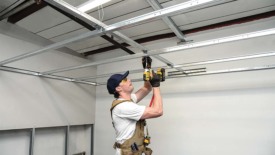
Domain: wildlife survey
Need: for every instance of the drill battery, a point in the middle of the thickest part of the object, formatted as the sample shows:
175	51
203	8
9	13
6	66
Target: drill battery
148	74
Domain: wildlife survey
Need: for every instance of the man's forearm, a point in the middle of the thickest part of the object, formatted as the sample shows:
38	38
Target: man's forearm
147	86
143	91
157	103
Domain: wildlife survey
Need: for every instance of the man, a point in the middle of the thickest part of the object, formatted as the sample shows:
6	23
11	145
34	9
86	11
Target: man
128	117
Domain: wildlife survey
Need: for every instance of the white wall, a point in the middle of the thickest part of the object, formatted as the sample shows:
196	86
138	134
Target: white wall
10	139
206	115
34	102
29	101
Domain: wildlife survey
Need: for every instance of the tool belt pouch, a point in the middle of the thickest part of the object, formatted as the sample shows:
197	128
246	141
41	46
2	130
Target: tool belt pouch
129	152
142	149
147	151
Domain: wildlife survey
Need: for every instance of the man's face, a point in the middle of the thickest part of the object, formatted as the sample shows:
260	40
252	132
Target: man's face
126	85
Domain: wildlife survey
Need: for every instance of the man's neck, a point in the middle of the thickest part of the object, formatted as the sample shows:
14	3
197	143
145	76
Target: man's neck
125	96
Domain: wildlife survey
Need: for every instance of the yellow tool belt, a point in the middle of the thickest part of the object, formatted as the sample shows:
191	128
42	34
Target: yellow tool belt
137	138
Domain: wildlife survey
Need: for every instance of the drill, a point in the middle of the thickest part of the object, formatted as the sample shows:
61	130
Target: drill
148	72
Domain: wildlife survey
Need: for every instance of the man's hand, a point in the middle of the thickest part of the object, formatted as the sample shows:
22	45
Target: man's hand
155	81
146	62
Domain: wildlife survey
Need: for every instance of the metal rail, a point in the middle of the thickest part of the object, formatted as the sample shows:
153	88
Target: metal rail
33	73
234	70
243	57
172	10
180	8
67	140
130	22
115	33
168	20
171	49
82	80
13	10
51	47
32	138
245	69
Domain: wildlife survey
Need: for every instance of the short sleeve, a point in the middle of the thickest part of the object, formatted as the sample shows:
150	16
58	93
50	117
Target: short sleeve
130	110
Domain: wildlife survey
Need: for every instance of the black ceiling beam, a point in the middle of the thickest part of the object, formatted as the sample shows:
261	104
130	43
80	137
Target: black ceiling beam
88	26
26	12
204	28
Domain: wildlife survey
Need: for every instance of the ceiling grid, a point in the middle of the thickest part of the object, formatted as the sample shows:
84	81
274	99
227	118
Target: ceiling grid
96	28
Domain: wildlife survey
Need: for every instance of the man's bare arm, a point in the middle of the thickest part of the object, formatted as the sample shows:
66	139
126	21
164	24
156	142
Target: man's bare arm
157	108
143	91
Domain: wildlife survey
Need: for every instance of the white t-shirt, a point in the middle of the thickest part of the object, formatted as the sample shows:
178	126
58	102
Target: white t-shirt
125	115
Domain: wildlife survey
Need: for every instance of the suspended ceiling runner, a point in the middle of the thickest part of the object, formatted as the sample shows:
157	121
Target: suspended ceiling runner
37	17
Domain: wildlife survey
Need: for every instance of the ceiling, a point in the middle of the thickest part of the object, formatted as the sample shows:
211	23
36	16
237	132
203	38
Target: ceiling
38	19
52	22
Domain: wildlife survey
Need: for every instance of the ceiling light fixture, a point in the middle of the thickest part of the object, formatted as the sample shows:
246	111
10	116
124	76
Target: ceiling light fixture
91	4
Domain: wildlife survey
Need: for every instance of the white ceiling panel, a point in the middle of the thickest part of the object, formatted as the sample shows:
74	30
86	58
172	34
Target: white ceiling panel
152	33
75	2
69	35
210	21
61	29
93	44
146	28
88	43
123	10
42	19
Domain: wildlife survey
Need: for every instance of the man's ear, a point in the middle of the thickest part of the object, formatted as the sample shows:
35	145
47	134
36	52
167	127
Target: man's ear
118	89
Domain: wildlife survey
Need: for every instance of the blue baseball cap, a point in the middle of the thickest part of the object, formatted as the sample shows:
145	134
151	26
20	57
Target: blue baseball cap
114	81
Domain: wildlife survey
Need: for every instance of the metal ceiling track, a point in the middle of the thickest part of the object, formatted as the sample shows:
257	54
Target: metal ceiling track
161	51
9	7
234	70
168	20
180	8
189	31
230	59
33	73
25	10
91	28
21	5
181	48
117	34
167	11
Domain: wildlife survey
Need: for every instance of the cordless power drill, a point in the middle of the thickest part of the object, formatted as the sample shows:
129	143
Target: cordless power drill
148	72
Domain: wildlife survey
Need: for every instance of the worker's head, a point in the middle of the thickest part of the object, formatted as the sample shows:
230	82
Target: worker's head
116	82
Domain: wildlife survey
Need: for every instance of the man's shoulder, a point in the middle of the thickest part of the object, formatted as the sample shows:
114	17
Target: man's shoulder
126	104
